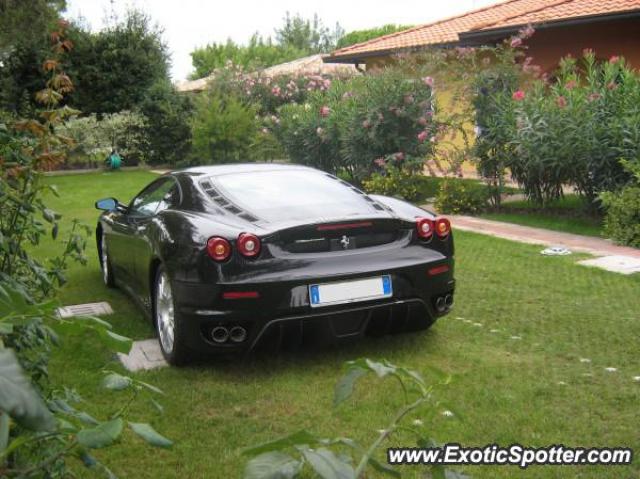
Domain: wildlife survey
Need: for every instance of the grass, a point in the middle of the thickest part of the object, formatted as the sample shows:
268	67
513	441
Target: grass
533	390
567	215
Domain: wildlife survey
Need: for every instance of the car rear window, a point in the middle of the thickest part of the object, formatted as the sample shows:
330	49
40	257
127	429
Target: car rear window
285	195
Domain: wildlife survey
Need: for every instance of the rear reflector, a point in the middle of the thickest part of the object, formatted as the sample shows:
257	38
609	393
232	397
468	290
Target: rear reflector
241	295
438	270
344	226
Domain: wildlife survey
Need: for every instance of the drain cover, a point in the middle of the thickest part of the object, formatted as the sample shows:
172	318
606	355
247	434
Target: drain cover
88	309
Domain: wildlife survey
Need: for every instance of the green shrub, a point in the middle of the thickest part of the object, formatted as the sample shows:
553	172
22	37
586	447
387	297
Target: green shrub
393	182
458	197
622	222
222	129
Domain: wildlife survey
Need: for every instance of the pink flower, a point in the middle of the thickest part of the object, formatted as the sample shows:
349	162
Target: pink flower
516	42
587	52
594	96
347	94
366	124
422	136
612	86
614	59
422	121
526	32
408	99
571	84
428	81
324	111
433	139
518	95
379	162
276	90
561	101
399	156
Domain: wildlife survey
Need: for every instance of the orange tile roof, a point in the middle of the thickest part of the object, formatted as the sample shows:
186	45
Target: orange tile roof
504	14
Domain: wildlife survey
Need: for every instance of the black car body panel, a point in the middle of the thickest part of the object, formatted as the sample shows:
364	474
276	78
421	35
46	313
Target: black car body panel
381	239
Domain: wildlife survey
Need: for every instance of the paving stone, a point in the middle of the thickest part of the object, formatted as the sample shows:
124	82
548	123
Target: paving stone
616	263
144	355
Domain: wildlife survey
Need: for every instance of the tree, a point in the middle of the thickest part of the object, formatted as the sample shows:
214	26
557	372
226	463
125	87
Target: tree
359	36
168	130
115	67
307	35
259	53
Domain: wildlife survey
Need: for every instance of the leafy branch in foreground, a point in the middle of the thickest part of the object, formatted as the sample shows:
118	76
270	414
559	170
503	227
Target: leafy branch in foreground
296	454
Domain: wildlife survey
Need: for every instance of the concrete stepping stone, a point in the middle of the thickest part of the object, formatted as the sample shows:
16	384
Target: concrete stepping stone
616	263
144	355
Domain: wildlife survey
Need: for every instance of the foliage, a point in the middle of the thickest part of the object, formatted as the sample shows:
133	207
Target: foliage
321	458
622	222
115	68
258	53
362	124
39	428
571	131
393	182
308	35
167	129
457	197
359	36
222	129
95	138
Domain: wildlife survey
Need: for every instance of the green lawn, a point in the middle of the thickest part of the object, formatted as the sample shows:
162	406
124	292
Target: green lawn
533	390
567	214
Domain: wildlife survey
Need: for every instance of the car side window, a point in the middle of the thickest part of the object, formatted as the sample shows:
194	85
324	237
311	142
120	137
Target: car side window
157	197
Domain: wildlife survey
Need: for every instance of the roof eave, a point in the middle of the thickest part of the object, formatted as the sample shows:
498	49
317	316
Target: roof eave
477	37
356	58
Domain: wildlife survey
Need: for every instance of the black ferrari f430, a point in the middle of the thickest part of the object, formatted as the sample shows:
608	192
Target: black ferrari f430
233	258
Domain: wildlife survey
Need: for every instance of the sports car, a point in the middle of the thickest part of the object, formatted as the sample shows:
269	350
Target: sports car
234	258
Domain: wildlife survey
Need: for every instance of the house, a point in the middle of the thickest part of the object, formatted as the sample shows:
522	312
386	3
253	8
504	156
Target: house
311	65
609	27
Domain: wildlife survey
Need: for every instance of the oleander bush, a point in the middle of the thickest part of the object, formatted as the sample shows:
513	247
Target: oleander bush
362	125
622	221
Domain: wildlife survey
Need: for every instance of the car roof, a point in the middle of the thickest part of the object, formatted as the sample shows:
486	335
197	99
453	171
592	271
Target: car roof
216	170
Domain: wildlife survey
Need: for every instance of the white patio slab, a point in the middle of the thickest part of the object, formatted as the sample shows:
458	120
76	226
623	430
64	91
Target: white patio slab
87	309
144	355
616	263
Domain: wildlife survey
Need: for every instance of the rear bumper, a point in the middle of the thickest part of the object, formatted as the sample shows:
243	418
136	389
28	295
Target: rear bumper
281	315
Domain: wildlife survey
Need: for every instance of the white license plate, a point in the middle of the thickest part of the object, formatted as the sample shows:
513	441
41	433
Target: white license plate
350	291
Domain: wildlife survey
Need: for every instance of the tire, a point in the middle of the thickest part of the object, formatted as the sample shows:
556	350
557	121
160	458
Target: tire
169	327
105	264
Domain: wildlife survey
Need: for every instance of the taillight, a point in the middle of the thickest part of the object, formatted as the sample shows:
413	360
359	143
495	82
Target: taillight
248	245
219	249
425	227
443	227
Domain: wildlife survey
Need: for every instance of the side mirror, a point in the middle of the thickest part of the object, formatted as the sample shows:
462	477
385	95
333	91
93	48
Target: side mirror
107	204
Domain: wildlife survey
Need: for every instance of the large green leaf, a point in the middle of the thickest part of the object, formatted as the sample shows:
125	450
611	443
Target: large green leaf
272	465
345	385
149	434
18	398
116	382
295	439
102	435
327	465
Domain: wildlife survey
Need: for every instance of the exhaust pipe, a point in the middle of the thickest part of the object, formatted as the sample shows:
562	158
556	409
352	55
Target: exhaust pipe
440	304
238	334
448	300
219	334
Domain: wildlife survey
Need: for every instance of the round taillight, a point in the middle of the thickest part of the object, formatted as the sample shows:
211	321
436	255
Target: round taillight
443	227
248	245
219	249
425	227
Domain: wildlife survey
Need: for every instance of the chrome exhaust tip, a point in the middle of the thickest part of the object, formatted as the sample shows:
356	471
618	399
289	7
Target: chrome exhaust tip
219	334
440	304
448	300
238	334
